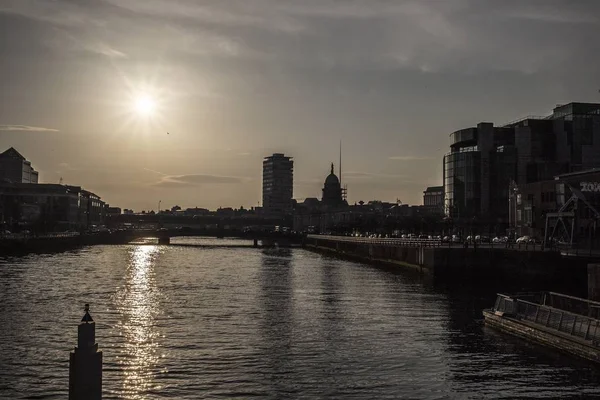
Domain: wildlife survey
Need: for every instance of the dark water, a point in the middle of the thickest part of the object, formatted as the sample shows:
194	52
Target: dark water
190	323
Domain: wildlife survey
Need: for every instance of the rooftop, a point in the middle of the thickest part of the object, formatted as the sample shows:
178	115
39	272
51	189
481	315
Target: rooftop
578	173
434	189
13	153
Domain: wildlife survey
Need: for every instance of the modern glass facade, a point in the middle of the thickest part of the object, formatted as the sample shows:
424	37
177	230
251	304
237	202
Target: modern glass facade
503	169
462	183
485	160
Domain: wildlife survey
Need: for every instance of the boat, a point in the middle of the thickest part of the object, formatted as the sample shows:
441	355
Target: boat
567	323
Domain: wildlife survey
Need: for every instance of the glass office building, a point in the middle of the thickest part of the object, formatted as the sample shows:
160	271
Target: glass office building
485	160
477	171
462	182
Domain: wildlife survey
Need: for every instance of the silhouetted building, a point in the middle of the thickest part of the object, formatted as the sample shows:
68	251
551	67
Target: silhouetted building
477	171
49	207
484	160
311	203
433	199
278	185
111	211
196	211
574	196
332	191
15	168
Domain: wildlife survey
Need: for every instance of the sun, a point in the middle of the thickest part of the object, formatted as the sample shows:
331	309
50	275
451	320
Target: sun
144	105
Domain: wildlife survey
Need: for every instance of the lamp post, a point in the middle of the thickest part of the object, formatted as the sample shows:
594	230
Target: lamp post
158	214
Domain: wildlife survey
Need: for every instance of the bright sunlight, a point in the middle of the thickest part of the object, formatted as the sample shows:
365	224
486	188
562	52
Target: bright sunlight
145	105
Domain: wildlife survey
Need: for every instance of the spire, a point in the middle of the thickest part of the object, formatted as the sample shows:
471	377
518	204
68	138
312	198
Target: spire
332	171
340	164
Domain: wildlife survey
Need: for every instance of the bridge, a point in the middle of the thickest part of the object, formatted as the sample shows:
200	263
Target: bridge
164	235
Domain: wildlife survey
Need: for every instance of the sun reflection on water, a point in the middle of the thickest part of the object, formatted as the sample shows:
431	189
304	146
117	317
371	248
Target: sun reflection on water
138	304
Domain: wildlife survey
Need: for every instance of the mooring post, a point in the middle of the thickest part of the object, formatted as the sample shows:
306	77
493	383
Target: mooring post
85	363
593	282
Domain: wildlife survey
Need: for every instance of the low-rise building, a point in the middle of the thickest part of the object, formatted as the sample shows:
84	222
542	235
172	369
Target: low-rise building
565	208
111	211
49	207
433	199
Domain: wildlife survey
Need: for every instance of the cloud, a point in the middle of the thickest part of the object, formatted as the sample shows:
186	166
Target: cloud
105	50
156	172
410	158
359	174
196	180
309	182
66	167
25	128
427	36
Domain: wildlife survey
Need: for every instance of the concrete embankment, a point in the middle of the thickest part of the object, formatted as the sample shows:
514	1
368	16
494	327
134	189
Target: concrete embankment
547	269
52	243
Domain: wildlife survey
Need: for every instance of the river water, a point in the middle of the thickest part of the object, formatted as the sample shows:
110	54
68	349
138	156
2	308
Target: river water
192	323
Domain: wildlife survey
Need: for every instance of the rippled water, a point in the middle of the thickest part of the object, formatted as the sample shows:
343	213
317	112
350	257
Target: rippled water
191	323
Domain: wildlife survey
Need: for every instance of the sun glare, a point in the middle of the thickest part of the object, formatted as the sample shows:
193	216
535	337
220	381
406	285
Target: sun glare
144	105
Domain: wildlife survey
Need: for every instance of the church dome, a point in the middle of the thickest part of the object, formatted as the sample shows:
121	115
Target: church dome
332	180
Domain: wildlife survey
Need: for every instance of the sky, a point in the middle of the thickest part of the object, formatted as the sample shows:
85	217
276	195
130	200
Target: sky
89	89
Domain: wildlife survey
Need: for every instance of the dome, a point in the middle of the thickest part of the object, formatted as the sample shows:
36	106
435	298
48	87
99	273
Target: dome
332	180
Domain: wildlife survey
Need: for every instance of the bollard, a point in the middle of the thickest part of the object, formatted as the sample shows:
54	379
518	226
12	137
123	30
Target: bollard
593	282
85	363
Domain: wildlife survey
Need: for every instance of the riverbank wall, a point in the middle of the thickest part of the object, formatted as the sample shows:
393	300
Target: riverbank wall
19	245
545	269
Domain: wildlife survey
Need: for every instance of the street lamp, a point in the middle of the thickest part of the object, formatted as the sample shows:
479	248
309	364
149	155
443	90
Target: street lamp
158	212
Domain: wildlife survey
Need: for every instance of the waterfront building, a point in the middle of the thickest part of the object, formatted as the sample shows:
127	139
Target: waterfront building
484	160
112	211
15	168
433	199
566	207
49	207
278	185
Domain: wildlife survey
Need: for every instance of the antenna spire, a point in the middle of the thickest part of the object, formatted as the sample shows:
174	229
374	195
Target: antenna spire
340	164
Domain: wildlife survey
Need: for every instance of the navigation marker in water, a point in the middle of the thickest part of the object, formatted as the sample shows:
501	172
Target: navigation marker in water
85	363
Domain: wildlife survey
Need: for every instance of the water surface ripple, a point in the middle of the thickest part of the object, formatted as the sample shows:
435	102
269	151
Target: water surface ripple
208	323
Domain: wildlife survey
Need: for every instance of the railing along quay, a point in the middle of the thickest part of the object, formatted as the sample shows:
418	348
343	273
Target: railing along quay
21	236
564	321
382	241
437	243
